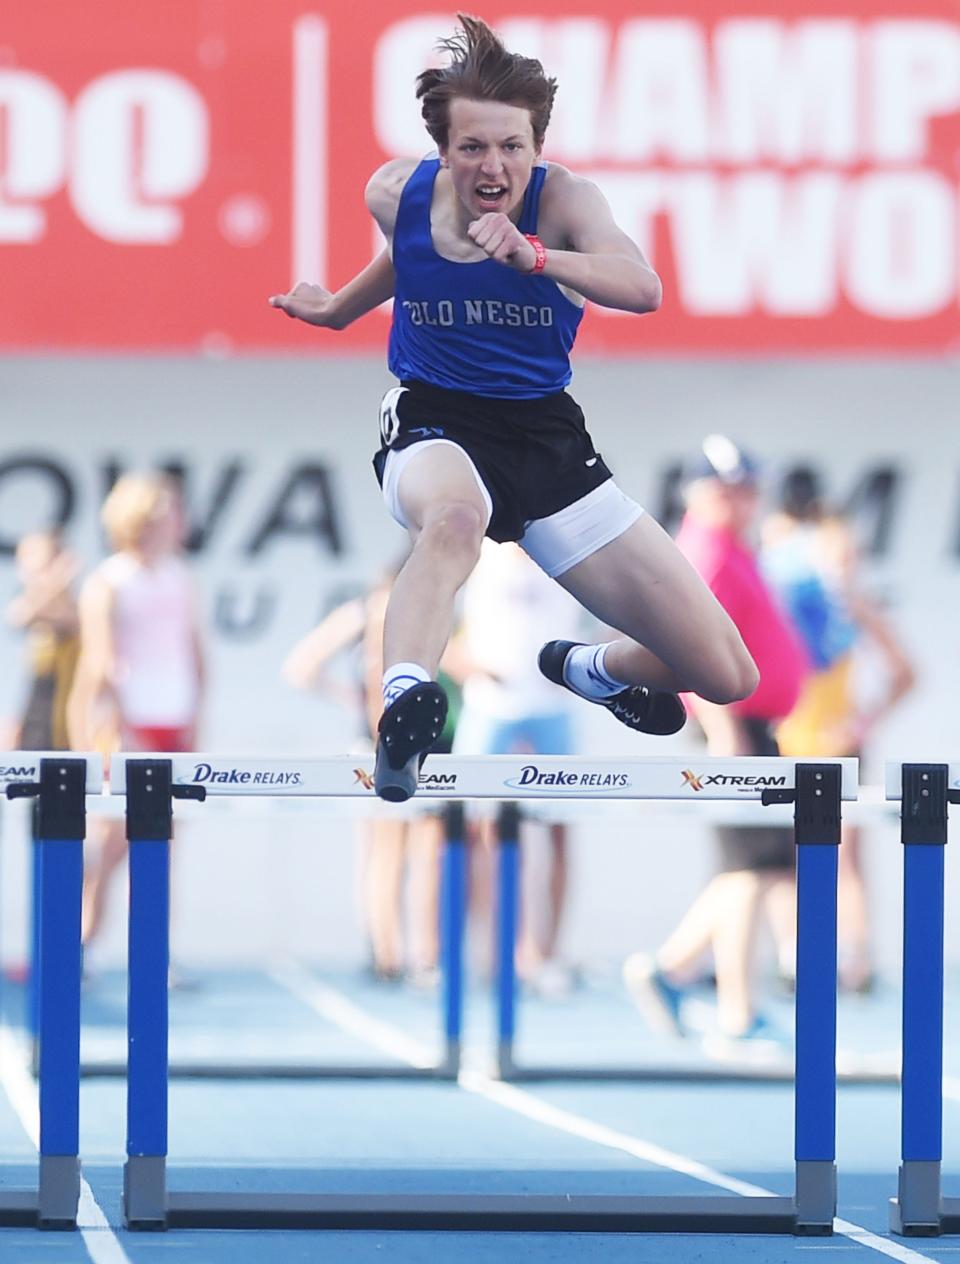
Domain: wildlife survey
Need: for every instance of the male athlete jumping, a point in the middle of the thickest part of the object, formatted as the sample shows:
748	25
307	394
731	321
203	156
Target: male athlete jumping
491	255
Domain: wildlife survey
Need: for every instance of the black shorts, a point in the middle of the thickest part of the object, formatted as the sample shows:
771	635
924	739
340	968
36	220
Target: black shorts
761	847
534	456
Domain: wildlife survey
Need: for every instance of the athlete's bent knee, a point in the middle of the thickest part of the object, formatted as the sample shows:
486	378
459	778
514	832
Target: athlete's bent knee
454	529
734	679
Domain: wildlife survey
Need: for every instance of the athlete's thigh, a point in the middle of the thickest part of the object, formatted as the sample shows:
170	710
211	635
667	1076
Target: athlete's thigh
642	585
434	475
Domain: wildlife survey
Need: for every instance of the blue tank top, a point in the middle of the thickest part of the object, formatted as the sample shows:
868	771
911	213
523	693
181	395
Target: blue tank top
478	327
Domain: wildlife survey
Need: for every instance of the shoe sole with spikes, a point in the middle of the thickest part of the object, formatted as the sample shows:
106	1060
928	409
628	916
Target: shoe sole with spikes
407	730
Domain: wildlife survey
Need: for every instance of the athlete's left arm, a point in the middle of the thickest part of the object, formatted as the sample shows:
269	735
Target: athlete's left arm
603	263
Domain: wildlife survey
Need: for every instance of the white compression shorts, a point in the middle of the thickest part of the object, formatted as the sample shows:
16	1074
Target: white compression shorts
555	543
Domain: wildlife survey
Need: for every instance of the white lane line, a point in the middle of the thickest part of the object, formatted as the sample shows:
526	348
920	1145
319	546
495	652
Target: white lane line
331	1004
102	1244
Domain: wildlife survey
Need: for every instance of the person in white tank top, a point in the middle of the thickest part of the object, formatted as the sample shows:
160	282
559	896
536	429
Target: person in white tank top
139	679
506	603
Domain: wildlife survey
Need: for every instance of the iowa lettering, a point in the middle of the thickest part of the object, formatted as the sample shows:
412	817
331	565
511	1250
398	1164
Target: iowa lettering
206	773
477	311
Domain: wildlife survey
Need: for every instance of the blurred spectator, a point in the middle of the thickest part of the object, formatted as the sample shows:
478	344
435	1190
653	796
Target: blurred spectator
46	610
391	843
755	862
508	709
139	680
810	556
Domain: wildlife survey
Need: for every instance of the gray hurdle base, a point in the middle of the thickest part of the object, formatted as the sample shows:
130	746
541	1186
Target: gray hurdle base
60	785
924	791
816	789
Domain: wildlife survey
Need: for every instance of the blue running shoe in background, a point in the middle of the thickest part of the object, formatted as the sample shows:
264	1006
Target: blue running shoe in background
658	999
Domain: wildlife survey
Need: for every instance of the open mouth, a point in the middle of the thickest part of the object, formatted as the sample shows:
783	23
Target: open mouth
491	195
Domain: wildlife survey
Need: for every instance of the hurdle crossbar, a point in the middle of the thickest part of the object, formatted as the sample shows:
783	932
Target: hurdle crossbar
59	784
925	792
818	789
503	777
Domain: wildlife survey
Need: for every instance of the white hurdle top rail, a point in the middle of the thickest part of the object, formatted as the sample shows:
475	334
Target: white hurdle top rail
17	767
504	777
893	774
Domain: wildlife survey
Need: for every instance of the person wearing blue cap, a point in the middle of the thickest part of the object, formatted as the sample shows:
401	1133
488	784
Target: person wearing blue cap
756	863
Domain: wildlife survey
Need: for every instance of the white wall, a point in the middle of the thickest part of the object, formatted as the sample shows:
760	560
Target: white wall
252	886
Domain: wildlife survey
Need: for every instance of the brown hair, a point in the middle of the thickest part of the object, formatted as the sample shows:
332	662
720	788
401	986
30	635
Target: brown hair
481	69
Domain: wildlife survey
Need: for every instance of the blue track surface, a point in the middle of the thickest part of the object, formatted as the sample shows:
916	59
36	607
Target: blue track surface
384	1137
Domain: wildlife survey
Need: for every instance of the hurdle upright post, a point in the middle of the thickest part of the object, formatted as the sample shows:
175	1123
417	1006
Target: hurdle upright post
508	914
817	836
33	977
149	815
453	906
919	1210
60	826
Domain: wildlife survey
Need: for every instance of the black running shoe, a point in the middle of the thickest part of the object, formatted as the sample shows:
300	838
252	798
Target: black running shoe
646	710
407	730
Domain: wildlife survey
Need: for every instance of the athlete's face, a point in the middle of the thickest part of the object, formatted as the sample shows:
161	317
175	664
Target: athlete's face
490	153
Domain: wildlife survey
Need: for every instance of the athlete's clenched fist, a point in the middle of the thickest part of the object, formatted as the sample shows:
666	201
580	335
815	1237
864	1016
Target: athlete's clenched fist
499	236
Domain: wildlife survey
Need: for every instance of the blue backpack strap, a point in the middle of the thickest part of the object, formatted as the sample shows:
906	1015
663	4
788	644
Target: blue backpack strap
531	200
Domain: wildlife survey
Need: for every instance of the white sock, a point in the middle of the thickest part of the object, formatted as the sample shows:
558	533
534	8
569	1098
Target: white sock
585	672
401	677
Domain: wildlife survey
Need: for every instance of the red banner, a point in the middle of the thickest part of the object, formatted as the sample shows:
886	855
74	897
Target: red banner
793	178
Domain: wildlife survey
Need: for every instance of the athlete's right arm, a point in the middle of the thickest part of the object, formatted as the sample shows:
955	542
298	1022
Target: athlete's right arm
369	288
317	306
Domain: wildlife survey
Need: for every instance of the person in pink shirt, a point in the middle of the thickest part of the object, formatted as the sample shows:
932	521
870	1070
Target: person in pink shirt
756	863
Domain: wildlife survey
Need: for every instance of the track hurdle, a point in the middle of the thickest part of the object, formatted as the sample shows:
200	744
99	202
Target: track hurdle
59	784
924	791
817	789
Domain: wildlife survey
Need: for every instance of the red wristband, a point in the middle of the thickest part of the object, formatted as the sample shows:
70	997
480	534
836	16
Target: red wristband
541	252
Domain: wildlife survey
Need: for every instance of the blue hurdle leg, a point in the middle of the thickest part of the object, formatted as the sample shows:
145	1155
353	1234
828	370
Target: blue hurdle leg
918	1202
60	874
817	822
145	1201
452	919
816	1034
33	978
508	904
918	1208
